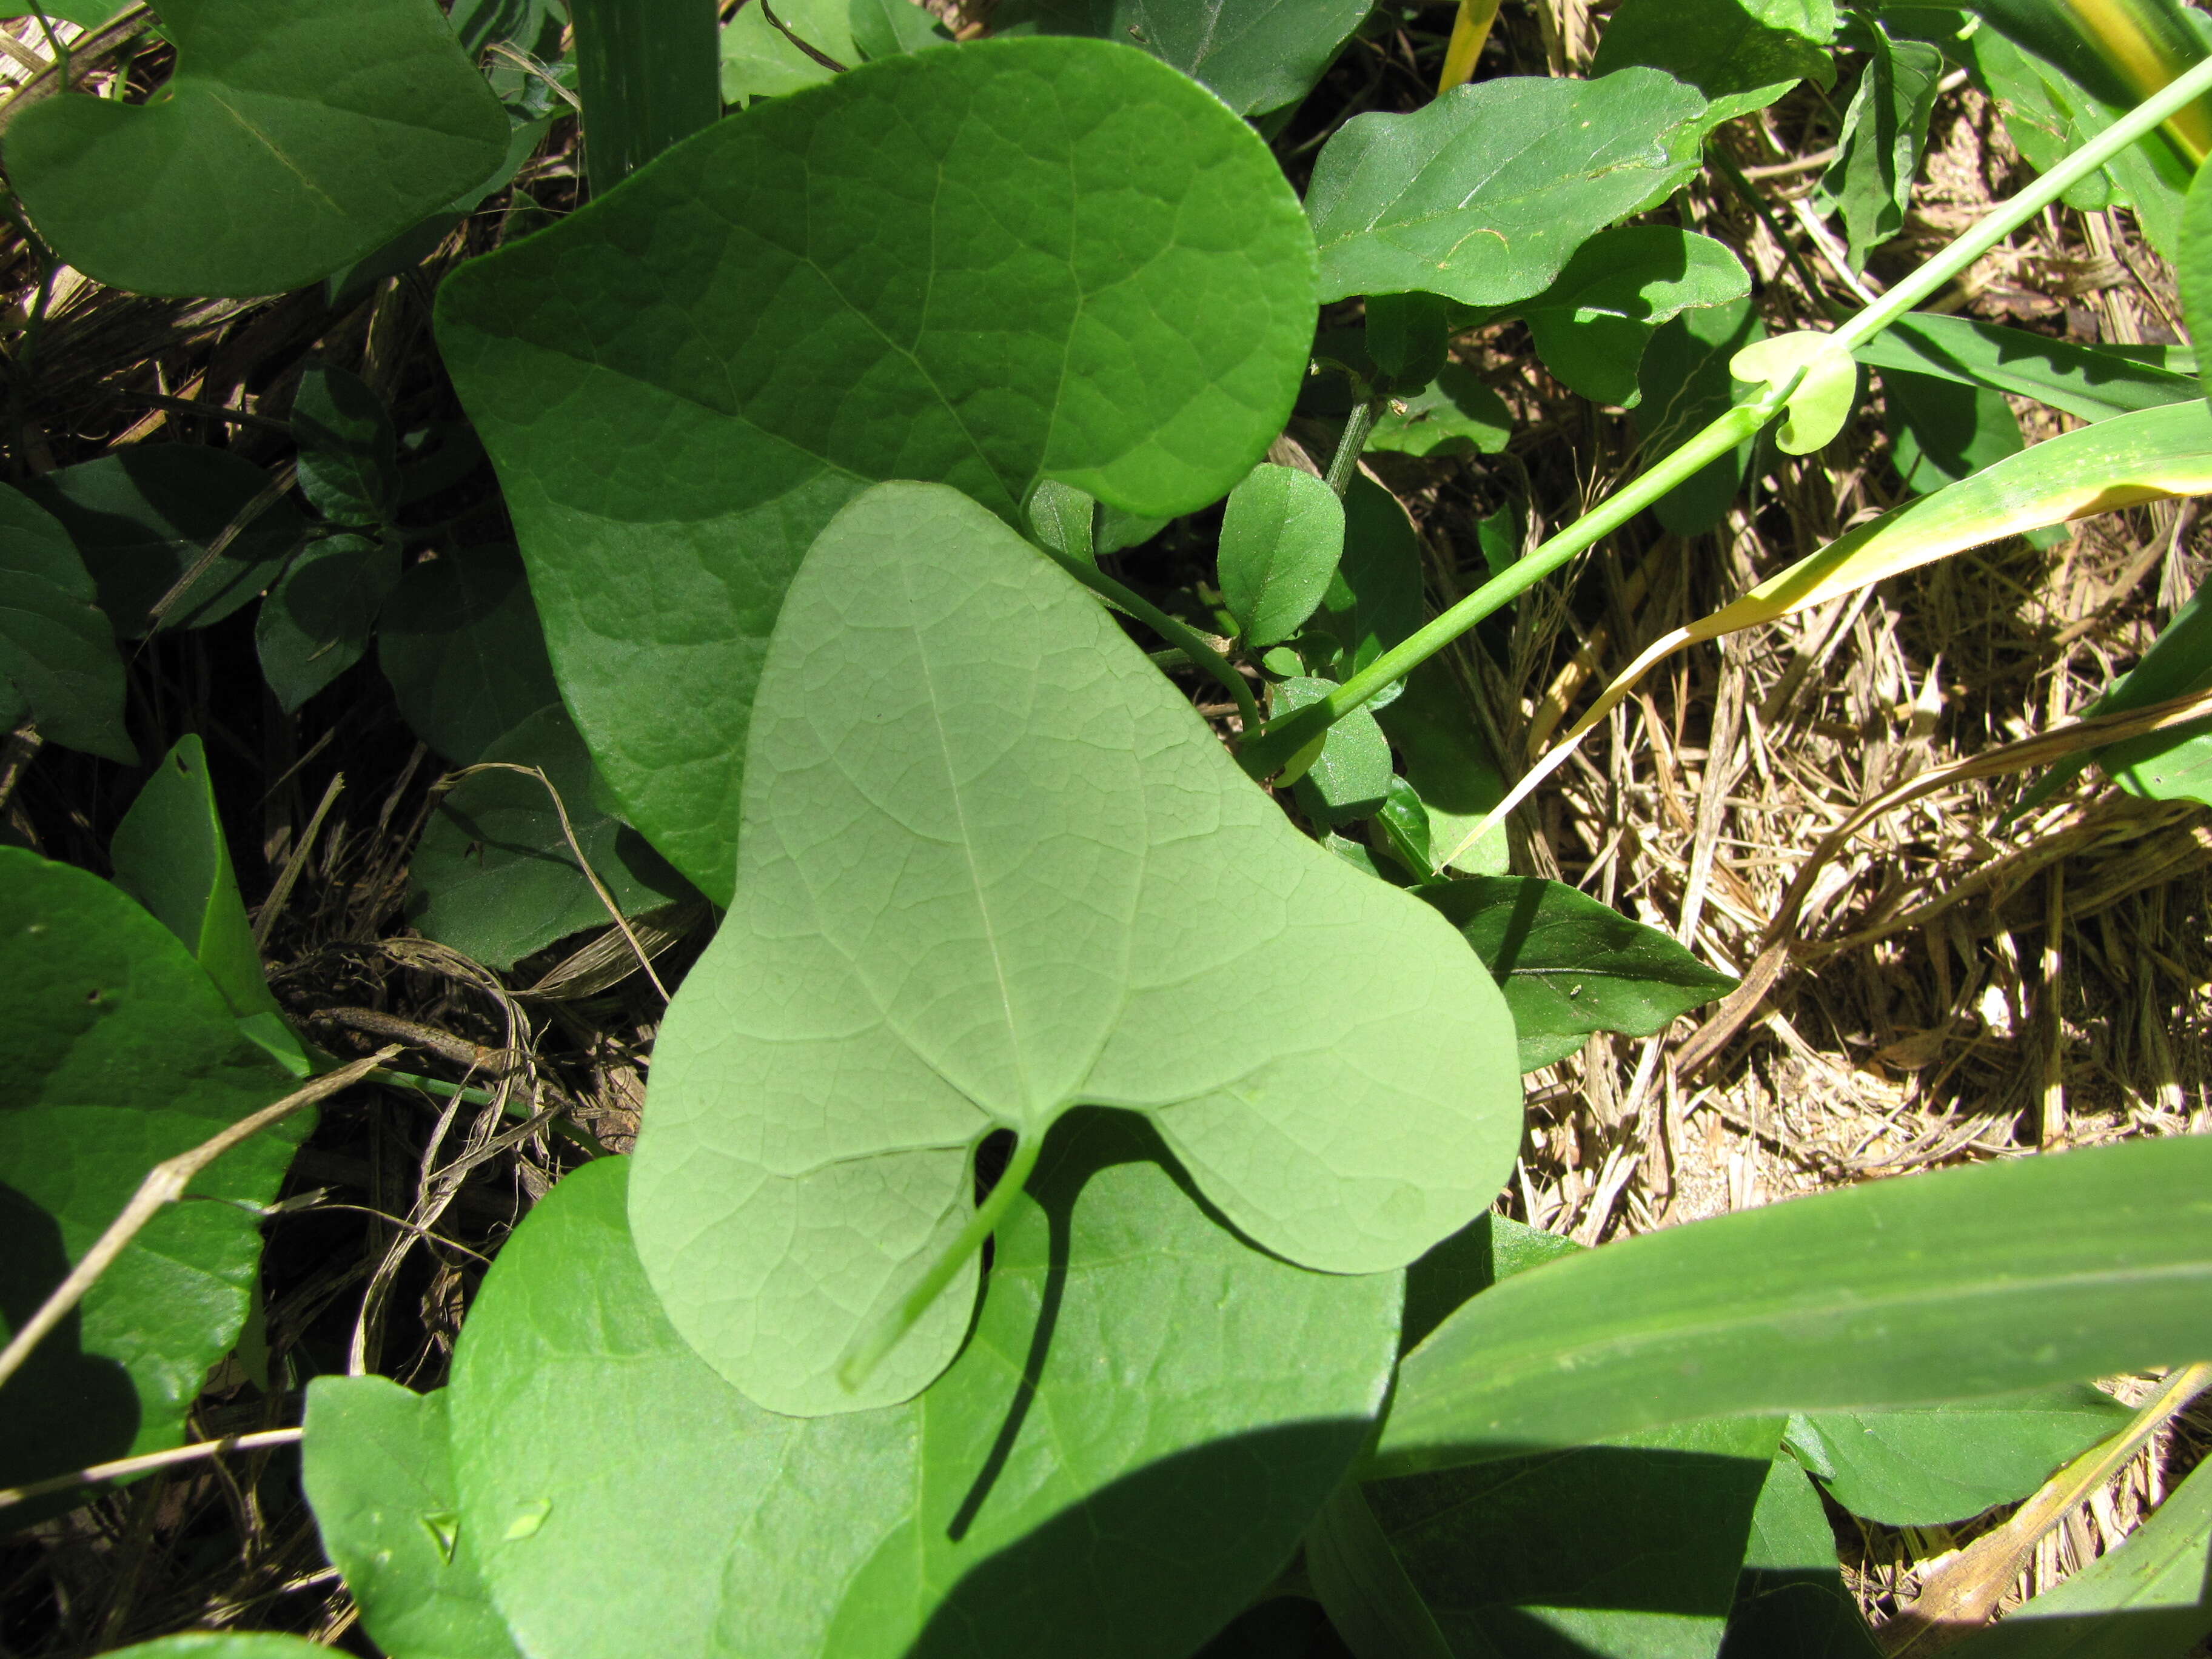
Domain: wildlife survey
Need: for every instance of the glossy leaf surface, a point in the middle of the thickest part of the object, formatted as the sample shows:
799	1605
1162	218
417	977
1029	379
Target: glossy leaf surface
59	665
120	1053
1740	54
315	623
1256	55
460	642
295	137
494	876
1485	194
1120	1415
1570	965
994	865
377	1465
1119	296
1911	1291
1282	534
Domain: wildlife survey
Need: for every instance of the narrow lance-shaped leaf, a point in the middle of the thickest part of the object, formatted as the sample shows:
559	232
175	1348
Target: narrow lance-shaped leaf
1885	130
1023	259
2095	383
296	137
1121	1418
1910	1291
994	865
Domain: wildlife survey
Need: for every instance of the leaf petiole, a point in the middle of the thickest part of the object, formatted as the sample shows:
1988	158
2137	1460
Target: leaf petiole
868	1350
1176	633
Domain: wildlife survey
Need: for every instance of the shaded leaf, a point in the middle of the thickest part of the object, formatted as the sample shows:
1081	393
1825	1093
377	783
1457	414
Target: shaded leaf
316	622
295	137
1118	296
459	641
120	1053
2175	764
1257	55
377	1466
1686	385
1282	534
1591	326
1740	54
1910	1291
1791	1601
1406	337
1484	195
760	61
1374	596
881	28
144	516
1570	965
994	865
493	875
1062	517
1359	1577
348	453
1450	766
1944	431
59	665
2095	383
533	27
1457	415
1120	1415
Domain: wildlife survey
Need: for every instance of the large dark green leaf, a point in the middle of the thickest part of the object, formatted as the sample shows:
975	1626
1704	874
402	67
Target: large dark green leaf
1570	966
1017	260
1923	1466
144	516
1258	55
494	876
1484	195
1911	1291
460	642
1122	1456
378	1467
295	137
1791	1601
992	867
120	1053
58	660
1741	54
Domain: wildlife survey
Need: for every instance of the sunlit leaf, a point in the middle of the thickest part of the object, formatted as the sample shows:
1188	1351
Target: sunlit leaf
994	865
2095	383
759	60
1350	775
59	665
1282	533
1826	377
1884	132
1591	326
1740	54
1455	415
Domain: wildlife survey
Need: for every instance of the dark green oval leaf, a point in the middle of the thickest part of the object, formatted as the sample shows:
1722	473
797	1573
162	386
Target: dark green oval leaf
58	663
1257	55
459	641
1741	54
316	622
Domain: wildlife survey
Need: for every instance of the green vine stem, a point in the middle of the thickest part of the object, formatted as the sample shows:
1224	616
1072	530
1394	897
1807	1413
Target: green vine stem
1277	743
1182	634
869	1348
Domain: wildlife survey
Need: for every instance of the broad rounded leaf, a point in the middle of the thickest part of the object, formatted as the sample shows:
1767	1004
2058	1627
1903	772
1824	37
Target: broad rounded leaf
57	658
1822	401
1282	534
120	1053
1120	1459
992	867
1485	194
296	137
1591	326
1021	259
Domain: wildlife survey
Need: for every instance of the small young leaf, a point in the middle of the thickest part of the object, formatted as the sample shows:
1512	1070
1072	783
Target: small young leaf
378	1466
59	665
1741	54
1591	326
1910	1291
348	453
1048	884
1349	778
1570	966
759	60
1456	415
1282	534
1062	517
1256	55
1122	1417
1685	383
1791	1601
461	645
494	876
1822	401
120	1053
315	624
144	516
1885	130
1925	1466
1434	203
295	137
1073	263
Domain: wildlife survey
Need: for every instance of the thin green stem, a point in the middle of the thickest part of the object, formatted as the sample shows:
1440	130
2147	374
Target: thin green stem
1357	427
1193	643
869	1348
1274	746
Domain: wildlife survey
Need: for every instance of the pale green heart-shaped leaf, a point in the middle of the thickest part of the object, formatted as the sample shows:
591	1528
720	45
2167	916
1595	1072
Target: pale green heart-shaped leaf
58	663
1741	54
377	1466
1570	965
316	622
1910	1291
1591	326
1257	55
1791	1601
1938	1463
295	137
144	517
1826	377
1120	1458
1282	534
460	642
1070	263
494	876
759	60
120	1053
992	867
1485	194
170	855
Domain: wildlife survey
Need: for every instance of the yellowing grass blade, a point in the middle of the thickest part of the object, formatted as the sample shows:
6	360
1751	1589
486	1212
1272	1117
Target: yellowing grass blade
1470	29
2151	455
2134	47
